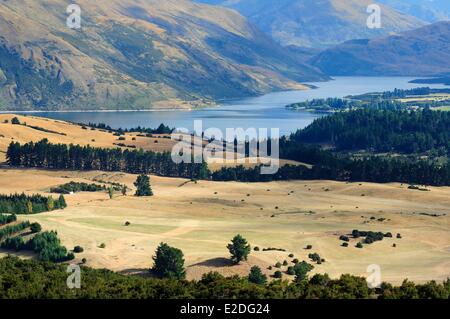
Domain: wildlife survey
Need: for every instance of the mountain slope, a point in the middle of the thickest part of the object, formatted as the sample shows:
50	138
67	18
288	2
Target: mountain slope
421	52
136	54
318	23
431	11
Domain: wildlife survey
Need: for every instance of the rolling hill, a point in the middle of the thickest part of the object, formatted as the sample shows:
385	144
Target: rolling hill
421	52
318	23
135	54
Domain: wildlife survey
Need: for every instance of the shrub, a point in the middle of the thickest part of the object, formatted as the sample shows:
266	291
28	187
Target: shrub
359	245
256	276
399	236
84	260
102	245
256	248
309	247
15	121
301	271
278	274
278	265
344	238
35	228
291	255
127	223
78	249
285	263
295	261
344	245
290	271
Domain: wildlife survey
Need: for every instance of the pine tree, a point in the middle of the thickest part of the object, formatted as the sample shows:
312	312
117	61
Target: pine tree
169	262
143	187
239	249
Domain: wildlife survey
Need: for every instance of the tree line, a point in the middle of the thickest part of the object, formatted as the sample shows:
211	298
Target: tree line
46	244
34	204
381	131
75	157
371	169
37	280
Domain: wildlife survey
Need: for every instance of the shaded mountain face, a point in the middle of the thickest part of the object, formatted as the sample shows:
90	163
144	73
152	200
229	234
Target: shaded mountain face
318	23
427	10
421	52
134	54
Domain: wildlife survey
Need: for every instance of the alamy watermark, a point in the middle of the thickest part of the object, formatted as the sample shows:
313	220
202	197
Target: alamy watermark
374	277
254	146
74	279
374	19
73	21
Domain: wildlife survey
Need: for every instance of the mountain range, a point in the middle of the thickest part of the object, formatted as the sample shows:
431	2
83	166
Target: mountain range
319	23
136	54
421	52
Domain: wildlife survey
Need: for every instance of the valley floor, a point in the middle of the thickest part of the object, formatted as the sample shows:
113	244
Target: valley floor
201	218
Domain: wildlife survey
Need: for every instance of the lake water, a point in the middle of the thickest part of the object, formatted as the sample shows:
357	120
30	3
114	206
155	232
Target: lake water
267	111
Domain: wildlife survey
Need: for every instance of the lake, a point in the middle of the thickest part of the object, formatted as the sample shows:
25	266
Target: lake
267	111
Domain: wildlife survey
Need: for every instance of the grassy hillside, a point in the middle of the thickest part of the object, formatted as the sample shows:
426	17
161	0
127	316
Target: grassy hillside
136	55
421	52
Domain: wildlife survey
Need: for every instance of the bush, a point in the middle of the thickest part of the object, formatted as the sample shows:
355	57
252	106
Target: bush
256	276
169	262
344	245
295	261
301	271
359	245
256	248
344	238
278	265
285	263
15	121
78	249
278	274
35	228
309	247
399	236
291	255
102	245
84	260
290	271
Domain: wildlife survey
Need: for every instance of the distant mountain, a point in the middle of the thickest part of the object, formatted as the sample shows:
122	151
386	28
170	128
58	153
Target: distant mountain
421	52
136	54
318	23
427	10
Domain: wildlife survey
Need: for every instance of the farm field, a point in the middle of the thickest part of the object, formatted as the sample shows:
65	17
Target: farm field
201	218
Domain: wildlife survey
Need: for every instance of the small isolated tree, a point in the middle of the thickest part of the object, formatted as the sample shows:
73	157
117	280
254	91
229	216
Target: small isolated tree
239	249
62	202
124	190
143	187
256	276
110	192
169	262
15	121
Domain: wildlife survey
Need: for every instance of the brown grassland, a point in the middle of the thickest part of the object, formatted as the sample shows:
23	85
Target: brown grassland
200	218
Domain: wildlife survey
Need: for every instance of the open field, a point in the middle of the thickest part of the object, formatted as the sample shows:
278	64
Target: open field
200	218
77	134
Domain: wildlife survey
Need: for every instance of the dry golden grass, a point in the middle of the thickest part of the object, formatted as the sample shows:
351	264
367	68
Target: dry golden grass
200	218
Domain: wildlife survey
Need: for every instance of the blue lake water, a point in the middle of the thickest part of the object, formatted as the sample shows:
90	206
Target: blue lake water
267	111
